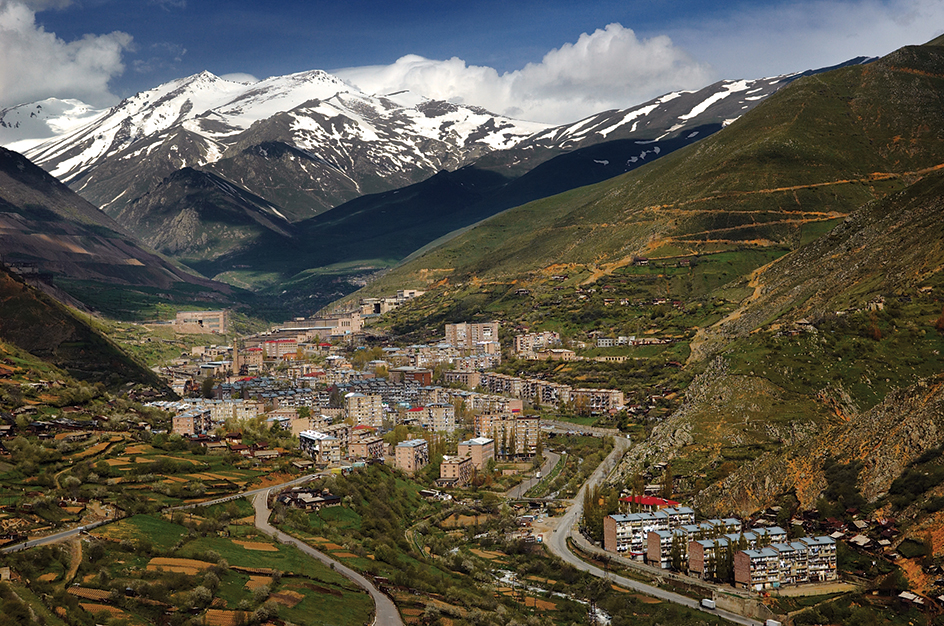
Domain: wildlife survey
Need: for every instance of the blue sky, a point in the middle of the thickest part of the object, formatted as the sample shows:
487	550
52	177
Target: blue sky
554	60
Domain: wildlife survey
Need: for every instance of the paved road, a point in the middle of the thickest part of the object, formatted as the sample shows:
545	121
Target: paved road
518	491
386	612
54	538
557	544
72	532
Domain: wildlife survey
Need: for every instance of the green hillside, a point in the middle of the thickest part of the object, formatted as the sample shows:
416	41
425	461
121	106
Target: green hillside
40	326
790	263
776	178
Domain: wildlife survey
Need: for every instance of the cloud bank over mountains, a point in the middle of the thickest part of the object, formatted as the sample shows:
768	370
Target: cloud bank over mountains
35	64
609	69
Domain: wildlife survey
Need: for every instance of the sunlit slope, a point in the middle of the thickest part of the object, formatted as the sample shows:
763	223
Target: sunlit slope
780	176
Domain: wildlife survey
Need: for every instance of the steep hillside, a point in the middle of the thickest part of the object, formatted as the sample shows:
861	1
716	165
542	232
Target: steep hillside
193	216
777	177
37	324
50	230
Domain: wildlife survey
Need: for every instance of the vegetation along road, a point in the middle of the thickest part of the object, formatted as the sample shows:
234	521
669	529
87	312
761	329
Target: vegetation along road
557	543
550	462
386	611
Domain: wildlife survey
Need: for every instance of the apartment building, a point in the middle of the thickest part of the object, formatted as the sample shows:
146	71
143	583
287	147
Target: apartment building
411	374
810	559
441	417
515	435
412	455
703	556
466	335
597	400
468	379
821	555
659	546
196	421
527	345
342	432
455	471
368	448
480	449
757	569
364	409
627	534
794	563
197	322
323	448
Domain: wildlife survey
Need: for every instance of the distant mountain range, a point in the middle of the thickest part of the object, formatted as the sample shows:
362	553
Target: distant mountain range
236	180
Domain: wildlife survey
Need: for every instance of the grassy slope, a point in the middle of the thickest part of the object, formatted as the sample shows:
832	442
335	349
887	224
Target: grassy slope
37	324
803	158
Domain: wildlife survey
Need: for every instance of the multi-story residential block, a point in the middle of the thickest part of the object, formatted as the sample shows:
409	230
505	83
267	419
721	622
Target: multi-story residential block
455	471
196	322
757	569
411	374
343	434
769	535
703	556
412	455
597	400
277	348
515	435
323	448
660	544
467	378
528	344
466	335
317	422
364	409
196	421
369	448
628	534
811	559
480	449
821	556
794	562
441	417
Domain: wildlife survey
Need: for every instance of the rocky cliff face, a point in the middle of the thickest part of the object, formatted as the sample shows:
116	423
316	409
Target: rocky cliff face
886	439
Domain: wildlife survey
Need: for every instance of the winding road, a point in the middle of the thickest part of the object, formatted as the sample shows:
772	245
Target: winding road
557	544
386	613
550	462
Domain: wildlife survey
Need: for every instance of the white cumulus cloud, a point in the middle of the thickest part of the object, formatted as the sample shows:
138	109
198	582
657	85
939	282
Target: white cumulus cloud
610	68
35	64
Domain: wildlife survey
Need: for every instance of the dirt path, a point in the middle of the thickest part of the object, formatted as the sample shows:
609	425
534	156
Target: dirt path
75	559
701	337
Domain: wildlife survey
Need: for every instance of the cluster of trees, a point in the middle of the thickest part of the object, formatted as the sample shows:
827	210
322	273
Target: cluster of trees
598	502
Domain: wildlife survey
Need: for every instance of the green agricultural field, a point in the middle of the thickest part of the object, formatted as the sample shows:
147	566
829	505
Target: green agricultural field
171	568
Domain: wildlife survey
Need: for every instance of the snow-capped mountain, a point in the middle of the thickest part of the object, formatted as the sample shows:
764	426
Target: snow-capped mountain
355	141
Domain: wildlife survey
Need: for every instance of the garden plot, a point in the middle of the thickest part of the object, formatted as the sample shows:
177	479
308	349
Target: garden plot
191	567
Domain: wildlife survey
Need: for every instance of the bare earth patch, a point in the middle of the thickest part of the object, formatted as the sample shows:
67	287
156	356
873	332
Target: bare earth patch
219	617
255	582
89	594
255	545
181	566
288	598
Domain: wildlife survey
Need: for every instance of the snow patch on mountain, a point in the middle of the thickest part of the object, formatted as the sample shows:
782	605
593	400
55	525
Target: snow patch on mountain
729	88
